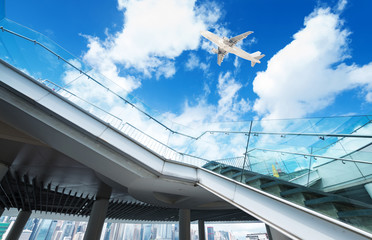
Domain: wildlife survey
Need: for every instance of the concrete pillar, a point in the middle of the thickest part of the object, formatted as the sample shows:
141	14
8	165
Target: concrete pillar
1	211
201	229
17	228
3	170
268	231
184	223
98	214
275	234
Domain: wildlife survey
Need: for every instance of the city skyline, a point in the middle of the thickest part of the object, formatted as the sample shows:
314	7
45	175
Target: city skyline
49	229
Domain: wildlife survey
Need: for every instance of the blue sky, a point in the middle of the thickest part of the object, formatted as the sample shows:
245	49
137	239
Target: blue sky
318	53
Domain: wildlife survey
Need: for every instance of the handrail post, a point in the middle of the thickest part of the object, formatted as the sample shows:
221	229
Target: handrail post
308	176
246	151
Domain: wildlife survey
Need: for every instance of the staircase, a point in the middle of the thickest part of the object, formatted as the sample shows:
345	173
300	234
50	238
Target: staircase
353	212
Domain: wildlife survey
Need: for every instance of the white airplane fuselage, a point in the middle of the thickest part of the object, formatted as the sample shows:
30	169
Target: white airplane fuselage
229	46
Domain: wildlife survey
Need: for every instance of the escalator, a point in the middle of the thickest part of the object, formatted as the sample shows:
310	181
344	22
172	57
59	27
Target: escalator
347	210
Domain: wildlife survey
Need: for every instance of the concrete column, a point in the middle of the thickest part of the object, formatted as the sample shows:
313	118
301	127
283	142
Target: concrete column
275	235
201	229
17	228
1	211
268	231
98	214
184	223
3	171
3	168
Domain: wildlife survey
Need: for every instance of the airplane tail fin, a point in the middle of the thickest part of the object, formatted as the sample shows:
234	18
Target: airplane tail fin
257	58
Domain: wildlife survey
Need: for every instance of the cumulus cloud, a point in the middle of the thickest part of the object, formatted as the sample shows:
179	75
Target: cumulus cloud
99	59
194	62
205	116
154	33
228	105
307	74
341	5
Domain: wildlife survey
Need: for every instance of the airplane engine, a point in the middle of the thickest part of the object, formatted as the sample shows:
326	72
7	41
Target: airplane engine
214	50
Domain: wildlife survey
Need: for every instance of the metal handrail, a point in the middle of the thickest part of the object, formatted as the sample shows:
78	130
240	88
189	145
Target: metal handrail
309	155
73	94
283	134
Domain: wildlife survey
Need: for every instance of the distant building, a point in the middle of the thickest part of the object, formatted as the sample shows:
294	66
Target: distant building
176	232
164	232
146	231
25	235
79	236
3	228
257	236
222	235
210	232
57	235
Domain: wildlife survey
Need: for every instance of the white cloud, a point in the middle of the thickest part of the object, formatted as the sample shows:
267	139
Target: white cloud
98	57
154	33
167	69
341	5
228	105
307	74
193	62
199	118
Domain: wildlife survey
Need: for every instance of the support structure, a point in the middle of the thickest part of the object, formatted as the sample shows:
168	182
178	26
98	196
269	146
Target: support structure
201	229
3	170
17	228
274	234
98	214
184	223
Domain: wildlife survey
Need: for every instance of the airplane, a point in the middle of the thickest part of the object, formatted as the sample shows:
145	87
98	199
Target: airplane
226	45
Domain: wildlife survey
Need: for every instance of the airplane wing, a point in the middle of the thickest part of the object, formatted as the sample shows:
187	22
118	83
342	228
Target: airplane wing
220	56
236	39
